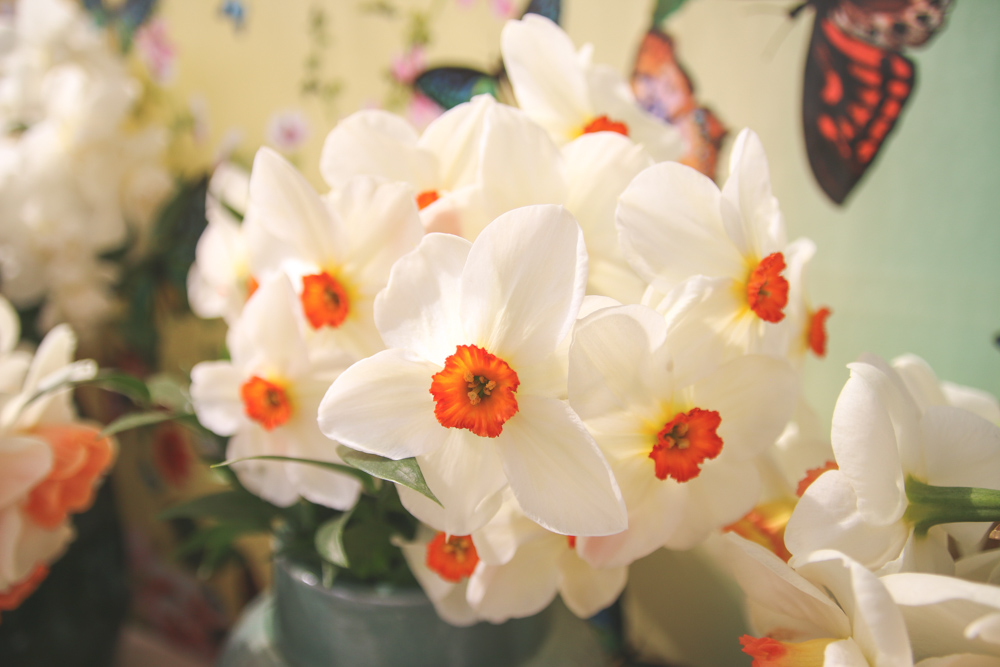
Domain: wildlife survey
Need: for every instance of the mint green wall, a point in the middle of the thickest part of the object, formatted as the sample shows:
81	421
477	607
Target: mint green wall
912	262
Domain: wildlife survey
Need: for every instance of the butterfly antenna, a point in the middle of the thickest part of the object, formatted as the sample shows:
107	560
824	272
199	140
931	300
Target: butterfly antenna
776	40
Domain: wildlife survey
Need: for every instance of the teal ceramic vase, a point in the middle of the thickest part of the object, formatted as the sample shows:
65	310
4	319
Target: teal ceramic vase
303	624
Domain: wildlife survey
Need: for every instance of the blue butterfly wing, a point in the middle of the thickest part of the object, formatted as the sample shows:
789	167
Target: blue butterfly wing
451	86
550	9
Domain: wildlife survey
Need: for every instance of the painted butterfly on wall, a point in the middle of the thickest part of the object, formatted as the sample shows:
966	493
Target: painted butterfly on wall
857	81
451	86
663	88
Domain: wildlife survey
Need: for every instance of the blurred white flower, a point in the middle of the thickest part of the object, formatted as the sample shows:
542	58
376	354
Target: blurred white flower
266	398
567	95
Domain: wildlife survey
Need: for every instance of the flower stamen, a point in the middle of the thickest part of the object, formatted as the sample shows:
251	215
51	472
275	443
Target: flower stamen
324	300
475	391
685	442
453	558
265	402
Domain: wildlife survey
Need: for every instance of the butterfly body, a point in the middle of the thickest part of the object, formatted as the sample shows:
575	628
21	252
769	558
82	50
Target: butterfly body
857	81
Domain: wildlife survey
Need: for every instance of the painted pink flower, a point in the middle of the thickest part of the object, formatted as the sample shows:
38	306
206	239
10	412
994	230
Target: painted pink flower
288	130
407	66
156	50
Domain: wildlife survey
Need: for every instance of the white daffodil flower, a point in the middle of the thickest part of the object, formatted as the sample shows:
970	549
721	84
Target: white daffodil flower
338	250
675	224
563	92
681	438
266	399
830	612
441	165
471	384
442	565
884	442
947	616
522	567
219	282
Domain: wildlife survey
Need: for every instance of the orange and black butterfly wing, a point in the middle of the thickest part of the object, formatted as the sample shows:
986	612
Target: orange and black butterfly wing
664	89
851	99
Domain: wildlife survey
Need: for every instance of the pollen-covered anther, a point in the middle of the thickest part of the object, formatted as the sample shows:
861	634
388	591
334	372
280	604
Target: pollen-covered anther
767	289
452	557
475	391
324	300
685	442
265	402
605	124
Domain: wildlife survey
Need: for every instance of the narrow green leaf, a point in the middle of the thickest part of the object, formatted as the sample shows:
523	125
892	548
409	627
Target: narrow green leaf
665	8
404	471
366	480
330	540
137	419
169	392
121	383
228	506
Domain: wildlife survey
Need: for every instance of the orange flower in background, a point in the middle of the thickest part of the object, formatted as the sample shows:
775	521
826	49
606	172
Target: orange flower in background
79	458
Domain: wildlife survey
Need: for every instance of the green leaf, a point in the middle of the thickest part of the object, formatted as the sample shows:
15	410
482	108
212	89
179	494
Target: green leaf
665	8
168	391
404	471
121	383
232	507
330	540
357	473
137	419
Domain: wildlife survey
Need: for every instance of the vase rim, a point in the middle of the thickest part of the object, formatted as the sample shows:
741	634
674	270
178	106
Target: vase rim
356	592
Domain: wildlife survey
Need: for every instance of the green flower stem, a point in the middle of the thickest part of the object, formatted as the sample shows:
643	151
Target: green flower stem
933	505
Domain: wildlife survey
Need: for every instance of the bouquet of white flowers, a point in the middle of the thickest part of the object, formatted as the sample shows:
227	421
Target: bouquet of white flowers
566	351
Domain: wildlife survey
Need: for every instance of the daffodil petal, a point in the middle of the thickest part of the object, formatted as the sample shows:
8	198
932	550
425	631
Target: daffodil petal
376	143
215	393
545	74
522	587
465	474
558	475
827	517
419	309
587	590
523	283
383	405
670	227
